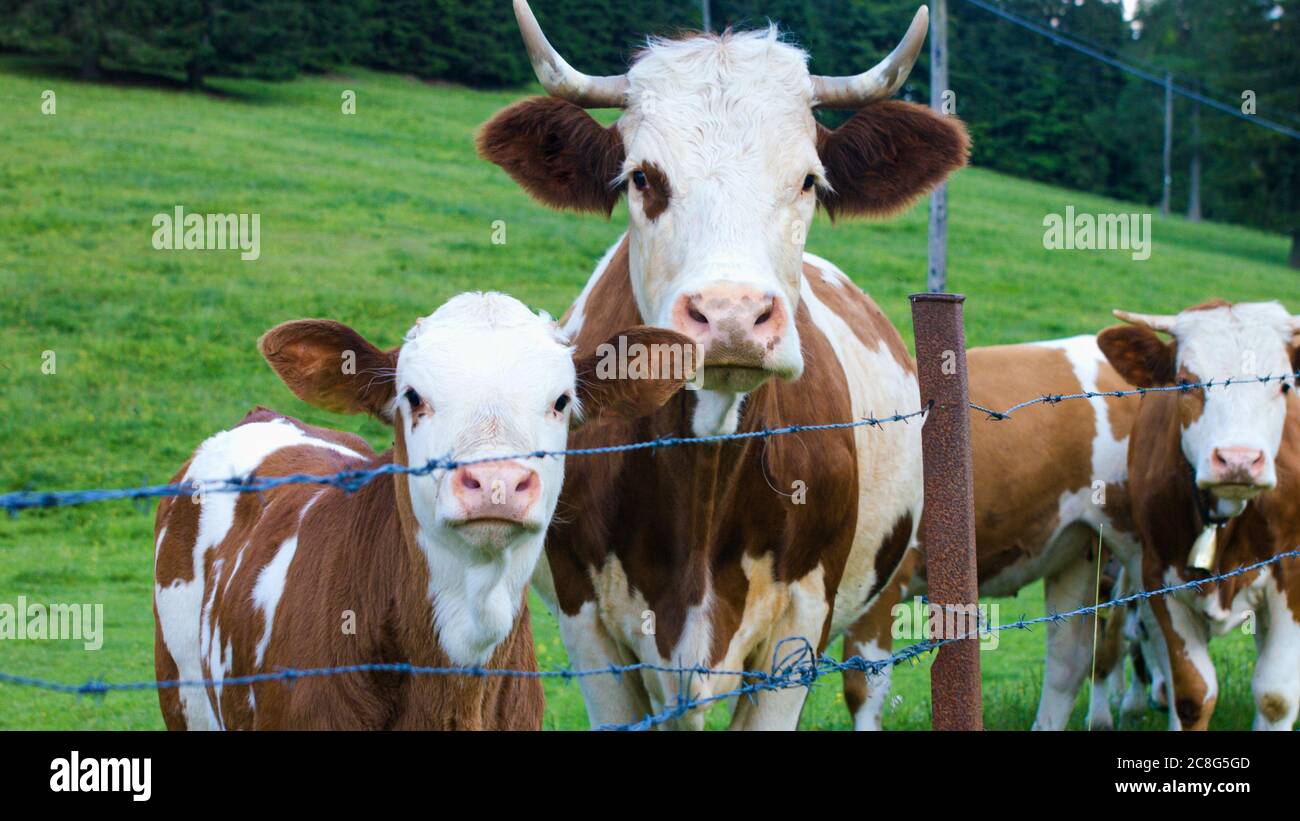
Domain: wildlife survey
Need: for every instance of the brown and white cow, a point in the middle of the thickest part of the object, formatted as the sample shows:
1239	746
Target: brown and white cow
1228	455
1049	487
429	569
714	554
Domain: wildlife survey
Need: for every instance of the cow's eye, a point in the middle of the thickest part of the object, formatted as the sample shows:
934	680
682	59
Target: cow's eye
1286	388
561	403
808	182
413	398
639	180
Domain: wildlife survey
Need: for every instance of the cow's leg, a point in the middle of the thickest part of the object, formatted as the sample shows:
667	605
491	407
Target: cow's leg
1134	703
871	637
1276	683
805	617
1192	687
169	698
1108	672
610	699
1069	642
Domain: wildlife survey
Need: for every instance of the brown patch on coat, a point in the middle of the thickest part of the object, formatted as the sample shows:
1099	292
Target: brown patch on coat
1023	466
557	153
1273	706
657	193
680	519
353	553
886	156
863	316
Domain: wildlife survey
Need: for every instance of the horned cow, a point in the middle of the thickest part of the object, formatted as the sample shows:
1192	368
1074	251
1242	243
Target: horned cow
1214	477
717	553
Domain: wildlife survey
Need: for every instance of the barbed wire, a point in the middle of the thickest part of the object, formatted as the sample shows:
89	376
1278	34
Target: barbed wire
801	667
1181	387
353	480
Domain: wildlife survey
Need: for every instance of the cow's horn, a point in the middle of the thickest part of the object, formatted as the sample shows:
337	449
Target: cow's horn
561	79
1156	322
880	82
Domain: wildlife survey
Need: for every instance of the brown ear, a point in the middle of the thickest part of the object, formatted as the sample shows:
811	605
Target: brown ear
331	366
1139	355
633	373
886	156
557	153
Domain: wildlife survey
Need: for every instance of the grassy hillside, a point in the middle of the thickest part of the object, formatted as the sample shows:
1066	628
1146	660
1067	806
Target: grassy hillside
375	219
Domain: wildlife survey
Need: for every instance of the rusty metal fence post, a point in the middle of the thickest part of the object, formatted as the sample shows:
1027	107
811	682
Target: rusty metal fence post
948	522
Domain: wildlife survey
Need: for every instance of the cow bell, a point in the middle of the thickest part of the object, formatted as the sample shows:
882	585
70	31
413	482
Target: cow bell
1203	549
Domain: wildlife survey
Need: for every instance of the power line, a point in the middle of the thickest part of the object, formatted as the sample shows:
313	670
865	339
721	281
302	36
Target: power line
1149	76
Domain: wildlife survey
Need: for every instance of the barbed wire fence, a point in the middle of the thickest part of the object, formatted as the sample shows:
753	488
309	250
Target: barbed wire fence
800	666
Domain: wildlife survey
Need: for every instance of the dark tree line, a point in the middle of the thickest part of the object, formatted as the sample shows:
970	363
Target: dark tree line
1036	109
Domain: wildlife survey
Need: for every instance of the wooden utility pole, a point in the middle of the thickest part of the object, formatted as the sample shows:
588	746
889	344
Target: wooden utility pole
936	279
1194	177
1169	141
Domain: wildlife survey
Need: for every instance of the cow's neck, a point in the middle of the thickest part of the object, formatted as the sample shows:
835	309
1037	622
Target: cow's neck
457	604
716	412
476	600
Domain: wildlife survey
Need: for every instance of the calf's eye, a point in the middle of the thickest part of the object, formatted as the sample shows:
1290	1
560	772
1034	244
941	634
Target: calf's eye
808	182
561	403
413	398
639	180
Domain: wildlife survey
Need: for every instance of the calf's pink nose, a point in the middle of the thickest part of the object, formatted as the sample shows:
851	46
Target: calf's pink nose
496	490
1237	465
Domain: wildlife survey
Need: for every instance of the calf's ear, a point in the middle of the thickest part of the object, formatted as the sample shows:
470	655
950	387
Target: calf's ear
886	156
1139	355
633	373
331	366
557	153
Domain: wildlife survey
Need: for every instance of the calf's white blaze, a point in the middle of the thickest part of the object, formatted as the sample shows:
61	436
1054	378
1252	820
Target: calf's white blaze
489	372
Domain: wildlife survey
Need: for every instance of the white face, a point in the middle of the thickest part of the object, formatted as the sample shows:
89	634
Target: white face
482	376
1231	435
719	142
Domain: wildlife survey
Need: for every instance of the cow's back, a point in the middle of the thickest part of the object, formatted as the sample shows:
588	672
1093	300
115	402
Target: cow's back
1048	465
221	559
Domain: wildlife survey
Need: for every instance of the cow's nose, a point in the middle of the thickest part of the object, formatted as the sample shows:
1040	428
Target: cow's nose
496	490
731	321
1237	465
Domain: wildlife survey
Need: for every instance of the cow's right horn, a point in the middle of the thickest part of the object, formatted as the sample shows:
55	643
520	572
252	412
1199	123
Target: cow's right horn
1156	322
881	81
561	79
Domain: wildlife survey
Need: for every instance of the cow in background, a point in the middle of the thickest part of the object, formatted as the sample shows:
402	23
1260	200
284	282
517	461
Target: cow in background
1214	485
1049	491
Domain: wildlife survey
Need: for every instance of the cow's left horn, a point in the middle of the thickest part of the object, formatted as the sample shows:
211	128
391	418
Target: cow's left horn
880	82
1156	322
561	79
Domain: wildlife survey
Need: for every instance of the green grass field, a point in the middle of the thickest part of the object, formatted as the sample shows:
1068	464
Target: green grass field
374	219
